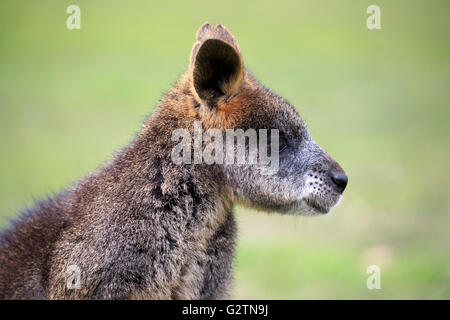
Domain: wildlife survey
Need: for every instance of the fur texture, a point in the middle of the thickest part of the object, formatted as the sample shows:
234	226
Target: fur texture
142	227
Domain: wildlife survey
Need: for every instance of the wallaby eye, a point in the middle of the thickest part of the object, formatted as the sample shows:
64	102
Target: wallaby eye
282	144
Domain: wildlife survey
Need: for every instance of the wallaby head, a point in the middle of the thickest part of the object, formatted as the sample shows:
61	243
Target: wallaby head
308	180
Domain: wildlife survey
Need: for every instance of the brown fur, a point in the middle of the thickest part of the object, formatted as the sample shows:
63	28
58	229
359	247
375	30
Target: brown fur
142	227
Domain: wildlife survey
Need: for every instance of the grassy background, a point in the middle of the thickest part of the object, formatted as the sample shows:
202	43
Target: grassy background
377	101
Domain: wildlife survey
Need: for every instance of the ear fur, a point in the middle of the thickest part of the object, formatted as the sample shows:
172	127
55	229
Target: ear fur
216	64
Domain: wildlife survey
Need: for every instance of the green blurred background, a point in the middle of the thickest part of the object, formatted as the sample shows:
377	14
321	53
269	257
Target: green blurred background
377	101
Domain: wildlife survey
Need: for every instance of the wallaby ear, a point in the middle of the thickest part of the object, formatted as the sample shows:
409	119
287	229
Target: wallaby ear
216	63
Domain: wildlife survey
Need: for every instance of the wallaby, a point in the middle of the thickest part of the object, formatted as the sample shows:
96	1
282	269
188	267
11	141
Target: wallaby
144	227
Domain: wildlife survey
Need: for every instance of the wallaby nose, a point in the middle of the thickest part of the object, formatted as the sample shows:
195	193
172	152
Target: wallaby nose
340	180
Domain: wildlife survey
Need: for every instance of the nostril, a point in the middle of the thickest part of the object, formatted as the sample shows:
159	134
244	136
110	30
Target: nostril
340	180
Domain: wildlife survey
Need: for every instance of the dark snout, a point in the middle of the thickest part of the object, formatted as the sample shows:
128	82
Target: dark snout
339	180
